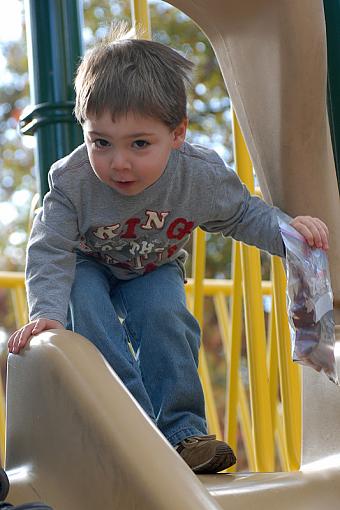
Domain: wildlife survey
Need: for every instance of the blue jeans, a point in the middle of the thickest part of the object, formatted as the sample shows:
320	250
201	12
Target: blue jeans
149	312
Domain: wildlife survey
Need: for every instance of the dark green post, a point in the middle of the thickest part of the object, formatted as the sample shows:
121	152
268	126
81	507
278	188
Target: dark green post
332	16
54	47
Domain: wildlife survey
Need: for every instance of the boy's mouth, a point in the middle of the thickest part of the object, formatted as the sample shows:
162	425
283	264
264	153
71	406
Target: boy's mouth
123	184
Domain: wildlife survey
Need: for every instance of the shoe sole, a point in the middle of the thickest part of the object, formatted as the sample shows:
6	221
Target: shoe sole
223	459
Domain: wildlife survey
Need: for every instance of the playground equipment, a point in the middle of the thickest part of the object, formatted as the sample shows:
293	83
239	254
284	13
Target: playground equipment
273	59
65	445
83	442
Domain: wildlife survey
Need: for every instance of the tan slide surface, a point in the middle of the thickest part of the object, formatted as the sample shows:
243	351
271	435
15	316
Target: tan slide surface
77	440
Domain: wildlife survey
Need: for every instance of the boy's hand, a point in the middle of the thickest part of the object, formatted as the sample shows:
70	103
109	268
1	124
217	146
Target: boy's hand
313	230
19	338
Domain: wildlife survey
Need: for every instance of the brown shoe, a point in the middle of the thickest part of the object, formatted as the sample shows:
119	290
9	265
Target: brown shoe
205	454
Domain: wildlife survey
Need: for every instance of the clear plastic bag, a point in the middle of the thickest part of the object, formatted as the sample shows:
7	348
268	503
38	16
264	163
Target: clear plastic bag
310	303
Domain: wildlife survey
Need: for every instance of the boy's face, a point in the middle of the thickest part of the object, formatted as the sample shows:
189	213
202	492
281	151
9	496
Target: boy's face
130	154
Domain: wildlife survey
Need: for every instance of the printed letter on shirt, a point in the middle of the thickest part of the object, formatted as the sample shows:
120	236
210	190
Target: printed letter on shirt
179	228
155	220
108	232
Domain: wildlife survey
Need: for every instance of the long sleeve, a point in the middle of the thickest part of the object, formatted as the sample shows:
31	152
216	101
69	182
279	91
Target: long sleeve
50	257
244	217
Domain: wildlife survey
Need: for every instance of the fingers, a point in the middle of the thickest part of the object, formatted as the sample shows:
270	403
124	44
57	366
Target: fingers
324	233
313	230
20	338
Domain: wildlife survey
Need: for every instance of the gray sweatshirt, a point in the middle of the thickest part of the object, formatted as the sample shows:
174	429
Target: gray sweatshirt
133	235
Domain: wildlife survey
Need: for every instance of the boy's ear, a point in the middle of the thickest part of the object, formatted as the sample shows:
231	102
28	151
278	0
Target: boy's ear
179	133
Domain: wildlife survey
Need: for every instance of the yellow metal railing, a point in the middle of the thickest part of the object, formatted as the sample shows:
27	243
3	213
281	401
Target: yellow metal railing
255	327
197	308
141	18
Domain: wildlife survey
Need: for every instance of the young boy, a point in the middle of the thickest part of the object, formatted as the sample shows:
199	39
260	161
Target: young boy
106	256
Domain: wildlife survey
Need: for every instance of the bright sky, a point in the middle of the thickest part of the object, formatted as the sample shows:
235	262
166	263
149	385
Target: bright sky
10	20
10	26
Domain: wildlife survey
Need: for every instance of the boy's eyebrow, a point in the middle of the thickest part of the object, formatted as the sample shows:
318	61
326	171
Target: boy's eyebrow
136	135
96	133
131	135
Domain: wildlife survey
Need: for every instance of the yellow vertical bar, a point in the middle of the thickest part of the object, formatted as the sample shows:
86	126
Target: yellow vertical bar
255	328
19	306
246	428
281	441
289	373
243	162
256	351
239	396
141	18
273	364
274	387
17	313
198	273
235	349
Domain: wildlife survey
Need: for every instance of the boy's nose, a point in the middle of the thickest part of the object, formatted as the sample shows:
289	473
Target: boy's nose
119	162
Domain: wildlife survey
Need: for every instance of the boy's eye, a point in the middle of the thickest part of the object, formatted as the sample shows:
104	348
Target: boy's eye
140	144
100	143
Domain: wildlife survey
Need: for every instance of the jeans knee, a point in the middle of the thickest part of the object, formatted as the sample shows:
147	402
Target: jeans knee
174	322
167	311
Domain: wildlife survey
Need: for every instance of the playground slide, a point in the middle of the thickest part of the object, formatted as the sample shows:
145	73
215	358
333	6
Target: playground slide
77	440
272	56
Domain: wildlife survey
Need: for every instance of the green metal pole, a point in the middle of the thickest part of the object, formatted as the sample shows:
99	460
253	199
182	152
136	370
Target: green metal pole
54	47
332	17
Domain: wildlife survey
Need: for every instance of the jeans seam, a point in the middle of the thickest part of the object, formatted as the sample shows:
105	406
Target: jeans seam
128	328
